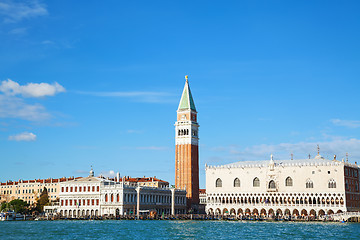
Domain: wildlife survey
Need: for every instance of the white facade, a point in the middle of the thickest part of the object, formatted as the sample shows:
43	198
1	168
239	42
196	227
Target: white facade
288	187
93	196
81	197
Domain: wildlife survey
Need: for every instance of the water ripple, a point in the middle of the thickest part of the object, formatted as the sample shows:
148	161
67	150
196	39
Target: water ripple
176	230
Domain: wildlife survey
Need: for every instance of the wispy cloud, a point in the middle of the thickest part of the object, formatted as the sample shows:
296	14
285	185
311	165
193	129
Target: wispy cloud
149	148
47	42
338	146
152	148
18	31
14	107
142	96
110	173
25	136
346	123
12	88
16	11
132	131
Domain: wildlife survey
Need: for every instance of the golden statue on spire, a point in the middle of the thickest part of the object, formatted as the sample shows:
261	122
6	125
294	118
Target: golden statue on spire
186	77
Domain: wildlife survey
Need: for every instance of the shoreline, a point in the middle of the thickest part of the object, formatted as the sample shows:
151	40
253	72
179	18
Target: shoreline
196	217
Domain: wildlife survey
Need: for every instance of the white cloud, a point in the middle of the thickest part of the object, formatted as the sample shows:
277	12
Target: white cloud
15	11
25	136
110	173
14	107
346	123
11	88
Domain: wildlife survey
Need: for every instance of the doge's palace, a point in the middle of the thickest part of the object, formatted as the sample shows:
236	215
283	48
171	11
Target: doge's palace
307	187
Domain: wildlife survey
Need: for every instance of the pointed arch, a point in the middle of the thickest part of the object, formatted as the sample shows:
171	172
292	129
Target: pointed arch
256	182
272	184
309	183
332	183
288	182
218	182
236	182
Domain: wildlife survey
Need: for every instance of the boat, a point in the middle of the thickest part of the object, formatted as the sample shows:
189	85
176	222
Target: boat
11	216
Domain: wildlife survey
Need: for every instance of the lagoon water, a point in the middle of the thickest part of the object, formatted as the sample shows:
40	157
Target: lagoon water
156	229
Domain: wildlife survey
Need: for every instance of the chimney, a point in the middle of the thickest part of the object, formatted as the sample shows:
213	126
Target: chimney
334	157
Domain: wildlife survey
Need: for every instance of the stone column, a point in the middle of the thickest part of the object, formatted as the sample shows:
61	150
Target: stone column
138	202
173	201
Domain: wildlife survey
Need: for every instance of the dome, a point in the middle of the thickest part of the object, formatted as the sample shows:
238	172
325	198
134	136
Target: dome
319	157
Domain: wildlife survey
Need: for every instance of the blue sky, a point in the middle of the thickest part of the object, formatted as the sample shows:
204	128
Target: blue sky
98	83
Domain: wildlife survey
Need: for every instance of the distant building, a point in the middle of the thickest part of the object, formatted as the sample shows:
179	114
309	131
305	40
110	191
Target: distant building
202	196
30	190
187	148
202	201
145	182
96	196
309	187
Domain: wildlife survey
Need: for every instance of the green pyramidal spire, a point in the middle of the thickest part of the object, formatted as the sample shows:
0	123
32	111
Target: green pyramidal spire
187	101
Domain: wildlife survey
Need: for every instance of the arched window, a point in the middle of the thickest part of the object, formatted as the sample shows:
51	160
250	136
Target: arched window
237	182
332	183
272	184
288	182
256	182
309	184
106	197
218	182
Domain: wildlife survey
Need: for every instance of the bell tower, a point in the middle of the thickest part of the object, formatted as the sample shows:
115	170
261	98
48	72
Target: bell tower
187	148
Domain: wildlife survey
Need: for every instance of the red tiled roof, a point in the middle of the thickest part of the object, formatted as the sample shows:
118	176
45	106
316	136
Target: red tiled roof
48	180
203	191
146	179
140	179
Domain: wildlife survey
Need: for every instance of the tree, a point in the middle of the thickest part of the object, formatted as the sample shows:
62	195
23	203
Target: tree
17	205
4	206
43	200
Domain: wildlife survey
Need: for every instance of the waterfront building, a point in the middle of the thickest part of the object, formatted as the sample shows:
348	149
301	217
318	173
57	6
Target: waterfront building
202	196
202	201
308	187
187	148
30	190
98	196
